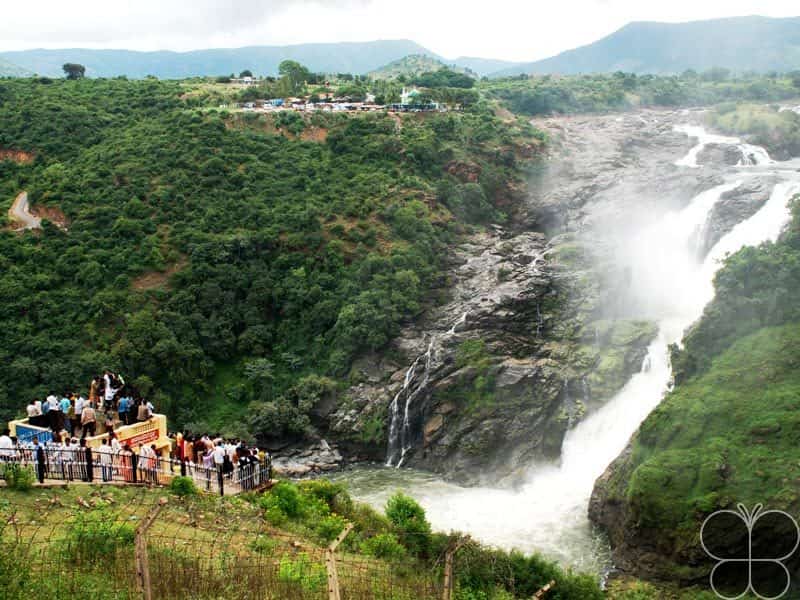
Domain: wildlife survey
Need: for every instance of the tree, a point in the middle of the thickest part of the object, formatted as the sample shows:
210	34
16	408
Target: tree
795	76
246	73
74	70
408	518
294	75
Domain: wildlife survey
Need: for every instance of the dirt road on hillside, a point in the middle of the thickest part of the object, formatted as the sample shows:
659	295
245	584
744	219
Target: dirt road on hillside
20	213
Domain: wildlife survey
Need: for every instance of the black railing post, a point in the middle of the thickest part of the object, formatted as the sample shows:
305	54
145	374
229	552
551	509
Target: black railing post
221	480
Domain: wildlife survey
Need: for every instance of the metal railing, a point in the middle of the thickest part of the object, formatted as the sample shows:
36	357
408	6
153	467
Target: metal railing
66	463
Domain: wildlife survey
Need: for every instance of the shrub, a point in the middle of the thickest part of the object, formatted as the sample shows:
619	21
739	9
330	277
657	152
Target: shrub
183	486
263	545
383	545
310	576
408	517
329	527
288	499
18	477
97	534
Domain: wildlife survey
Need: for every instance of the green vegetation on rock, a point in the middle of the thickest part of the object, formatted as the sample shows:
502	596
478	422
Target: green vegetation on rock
764	125
729	431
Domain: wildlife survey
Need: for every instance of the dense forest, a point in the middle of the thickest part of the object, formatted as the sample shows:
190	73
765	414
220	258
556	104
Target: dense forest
221	258
622	91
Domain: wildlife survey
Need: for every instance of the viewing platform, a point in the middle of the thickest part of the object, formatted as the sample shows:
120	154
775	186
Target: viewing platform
152	431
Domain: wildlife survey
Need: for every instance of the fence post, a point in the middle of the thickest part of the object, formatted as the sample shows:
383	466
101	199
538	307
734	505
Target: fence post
541	593
142	563
447	588
330	564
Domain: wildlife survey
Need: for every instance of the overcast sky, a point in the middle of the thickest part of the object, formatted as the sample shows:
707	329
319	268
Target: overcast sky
514	30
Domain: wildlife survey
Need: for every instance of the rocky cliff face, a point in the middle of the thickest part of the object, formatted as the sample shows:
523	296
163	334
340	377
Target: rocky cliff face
734	207
522	342
490	380
532	326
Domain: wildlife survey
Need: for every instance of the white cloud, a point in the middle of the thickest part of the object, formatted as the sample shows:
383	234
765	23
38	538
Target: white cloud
511	29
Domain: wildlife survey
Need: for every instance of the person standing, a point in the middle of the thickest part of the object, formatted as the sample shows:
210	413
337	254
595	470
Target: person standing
142	412
152	462
40	459
122	409
80	402
88	420
31	410
6	446
94	390
54	413
87	459
105	452
219	464
127	465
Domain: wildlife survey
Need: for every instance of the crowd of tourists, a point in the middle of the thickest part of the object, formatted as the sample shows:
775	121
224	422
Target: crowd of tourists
111	402
64	453
208	460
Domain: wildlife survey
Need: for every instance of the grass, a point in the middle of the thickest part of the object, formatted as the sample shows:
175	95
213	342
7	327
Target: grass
209	547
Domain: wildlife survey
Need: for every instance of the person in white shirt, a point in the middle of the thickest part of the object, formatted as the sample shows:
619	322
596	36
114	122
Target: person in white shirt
105	452
80	402
52	402
6	446
219	456
32	410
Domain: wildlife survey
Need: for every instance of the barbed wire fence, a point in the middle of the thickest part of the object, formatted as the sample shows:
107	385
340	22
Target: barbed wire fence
149	547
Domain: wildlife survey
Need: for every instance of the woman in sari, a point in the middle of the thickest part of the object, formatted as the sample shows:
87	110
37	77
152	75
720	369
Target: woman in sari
126	463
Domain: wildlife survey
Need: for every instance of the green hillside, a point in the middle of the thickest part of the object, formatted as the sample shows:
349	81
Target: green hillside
740	43
221	258
411	65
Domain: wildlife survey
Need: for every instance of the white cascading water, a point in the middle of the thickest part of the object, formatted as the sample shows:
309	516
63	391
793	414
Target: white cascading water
751	155
549	512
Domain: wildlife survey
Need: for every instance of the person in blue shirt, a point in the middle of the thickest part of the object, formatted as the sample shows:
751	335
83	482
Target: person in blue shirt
65	405
122	409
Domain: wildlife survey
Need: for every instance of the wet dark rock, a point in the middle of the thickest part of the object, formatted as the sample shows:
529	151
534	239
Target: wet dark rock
302	461
734	207
720	155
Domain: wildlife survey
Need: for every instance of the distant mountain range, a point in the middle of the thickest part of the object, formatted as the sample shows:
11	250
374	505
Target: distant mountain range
8	69
740	44
345	57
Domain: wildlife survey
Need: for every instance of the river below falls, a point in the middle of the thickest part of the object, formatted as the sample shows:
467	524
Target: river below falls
547	510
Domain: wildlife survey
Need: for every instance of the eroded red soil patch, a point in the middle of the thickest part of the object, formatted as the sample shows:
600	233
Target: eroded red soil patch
51	213
17	156
158	279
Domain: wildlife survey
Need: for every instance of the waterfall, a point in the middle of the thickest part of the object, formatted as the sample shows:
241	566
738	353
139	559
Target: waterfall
548	512
401	433
751	155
